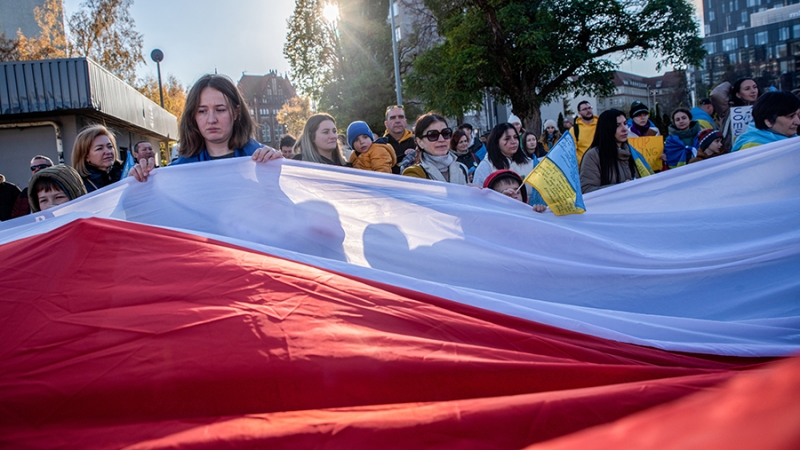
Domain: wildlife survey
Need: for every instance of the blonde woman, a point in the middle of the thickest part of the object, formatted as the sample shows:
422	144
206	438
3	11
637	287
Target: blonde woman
319	142
95	157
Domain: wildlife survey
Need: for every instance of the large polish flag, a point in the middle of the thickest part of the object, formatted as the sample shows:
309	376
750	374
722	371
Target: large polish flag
288	305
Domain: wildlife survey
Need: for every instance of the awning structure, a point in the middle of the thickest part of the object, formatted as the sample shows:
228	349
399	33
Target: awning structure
287	305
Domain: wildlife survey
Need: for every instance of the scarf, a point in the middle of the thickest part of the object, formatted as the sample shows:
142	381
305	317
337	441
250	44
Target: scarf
442	163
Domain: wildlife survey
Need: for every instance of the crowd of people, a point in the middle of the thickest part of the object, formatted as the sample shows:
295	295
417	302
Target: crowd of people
215	125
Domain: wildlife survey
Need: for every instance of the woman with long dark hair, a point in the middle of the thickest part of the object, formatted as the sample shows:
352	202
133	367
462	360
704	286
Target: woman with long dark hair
434	160
609	161
743	92
503	152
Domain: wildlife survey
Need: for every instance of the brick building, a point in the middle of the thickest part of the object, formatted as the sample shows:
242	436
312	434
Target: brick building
266	95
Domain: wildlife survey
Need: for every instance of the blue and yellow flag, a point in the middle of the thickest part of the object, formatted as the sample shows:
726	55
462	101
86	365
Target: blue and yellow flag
556	178
641	163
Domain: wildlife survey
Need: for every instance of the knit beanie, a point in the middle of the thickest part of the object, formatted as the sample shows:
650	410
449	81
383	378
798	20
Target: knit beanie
65	177
638	108
512	119
355	130
706	137
549	123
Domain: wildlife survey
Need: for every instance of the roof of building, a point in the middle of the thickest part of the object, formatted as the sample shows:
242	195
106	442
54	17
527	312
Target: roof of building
252	85
78	85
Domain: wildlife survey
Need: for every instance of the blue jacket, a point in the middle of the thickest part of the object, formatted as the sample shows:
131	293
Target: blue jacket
249	148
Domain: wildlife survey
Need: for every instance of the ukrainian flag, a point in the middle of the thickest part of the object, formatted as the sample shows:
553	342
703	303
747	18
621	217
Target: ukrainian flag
556	178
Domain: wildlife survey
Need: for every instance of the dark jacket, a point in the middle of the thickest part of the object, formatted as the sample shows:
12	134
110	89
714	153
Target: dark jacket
247	150
8	196
98	179
406	142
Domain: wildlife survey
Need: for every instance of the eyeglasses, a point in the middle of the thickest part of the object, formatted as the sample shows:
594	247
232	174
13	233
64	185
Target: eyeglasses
40	167
433	135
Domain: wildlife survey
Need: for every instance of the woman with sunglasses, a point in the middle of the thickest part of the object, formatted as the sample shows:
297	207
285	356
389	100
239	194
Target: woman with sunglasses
434	160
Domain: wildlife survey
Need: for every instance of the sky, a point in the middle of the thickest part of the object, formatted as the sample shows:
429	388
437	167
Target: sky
199	36
232	37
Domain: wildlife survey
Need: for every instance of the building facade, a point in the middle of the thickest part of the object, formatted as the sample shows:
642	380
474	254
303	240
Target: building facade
753	38
266	95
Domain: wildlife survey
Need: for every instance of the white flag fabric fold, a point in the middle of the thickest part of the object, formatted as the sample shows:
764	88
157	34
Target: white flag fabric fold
702	259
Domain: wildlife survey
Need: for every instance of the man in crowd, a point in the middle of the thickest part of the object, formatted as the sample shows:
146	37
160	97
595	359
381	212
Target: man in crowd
583	130
287	146
22	206
397	133
8	196
704	114
476	145
143	150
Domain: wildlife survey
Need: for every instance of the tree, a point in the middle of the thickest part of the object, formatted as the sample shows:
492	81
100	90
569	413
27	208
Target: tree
345	67
102	30
9	49
105	31
52	41
532	52
294	114
174	93
310	47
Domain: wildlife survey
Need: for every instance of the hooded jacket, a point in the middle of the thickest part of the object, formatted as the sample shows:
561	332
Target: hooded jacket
64	176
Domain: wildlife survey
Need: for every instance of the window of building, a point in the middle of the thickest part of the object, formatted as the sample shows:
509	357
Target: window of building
265	134
796	31
746	41
711	16
733	57
783	34
728	44
723	8
711	47
744	16
263	99
707	29
751	3
796	48
761	38
397	34
395	9
780	51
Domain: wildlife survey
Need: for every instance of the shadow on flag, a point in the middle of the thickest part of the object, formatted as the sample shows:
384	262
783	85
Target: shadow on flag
556	178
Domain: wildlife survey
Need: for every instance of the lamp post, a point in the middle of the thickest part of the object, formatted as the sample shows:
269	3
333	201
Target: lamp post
397	87
158	56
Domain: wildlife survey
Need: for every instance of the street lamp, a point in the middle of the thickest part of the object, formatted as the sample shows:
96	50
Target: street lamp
158	56
397	87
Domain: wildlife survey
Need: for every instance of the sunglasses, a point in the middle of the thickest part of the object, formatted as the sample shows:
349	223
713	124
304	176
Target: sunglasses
433	135
40	167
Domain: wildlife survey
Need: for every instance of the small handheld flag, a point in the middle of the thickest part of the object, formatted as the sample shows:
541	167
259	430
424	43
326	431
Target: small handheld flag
556	178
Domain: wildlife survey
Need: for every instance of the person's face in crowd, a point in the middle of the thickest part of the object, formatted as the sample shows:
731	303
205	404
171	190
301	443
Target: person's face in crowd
715	147
463	144
517	126
145	151
362	143
622	130
681	120
748	91
325	139
709	109
436	139
785	125
287	151
509	143
586	112
214	117
38	164
396	121
467	132
530	143
550	130
508	187
568	124
641	119
51	198
483	139
101	154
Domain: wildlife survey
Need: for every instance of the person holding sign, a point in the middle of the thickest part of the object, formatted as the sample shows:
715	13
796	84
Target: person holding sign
742	93
776	116
639	125
611	160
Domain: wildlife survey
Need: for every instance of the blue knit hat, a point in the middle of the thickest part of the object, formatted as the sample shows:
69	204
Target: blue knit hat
355	130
